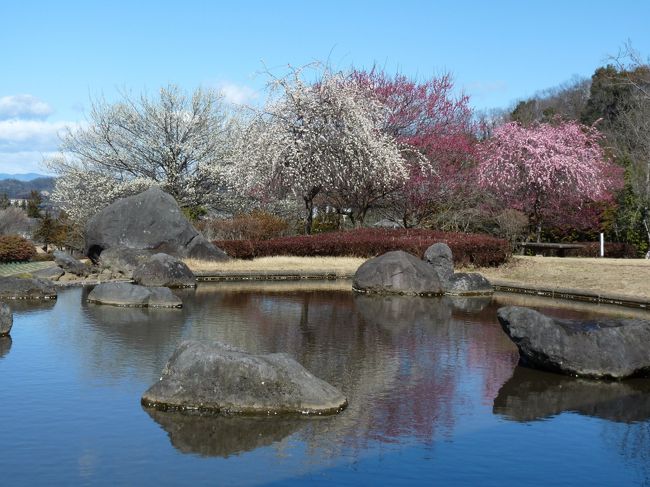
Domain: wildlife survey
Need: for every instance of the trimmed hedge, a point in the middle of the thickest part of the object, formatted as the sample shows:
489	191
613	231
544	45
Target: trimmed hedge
478	250
14	248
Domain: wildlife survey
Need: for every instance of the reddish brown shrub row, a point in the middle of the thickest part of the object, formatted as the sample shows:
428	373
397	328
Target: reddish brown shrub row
14	248
479	250
257	225
612	250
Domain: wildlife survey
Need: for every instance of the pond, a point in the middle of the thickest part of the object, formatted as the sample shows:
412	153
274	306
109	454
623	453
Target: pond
435	393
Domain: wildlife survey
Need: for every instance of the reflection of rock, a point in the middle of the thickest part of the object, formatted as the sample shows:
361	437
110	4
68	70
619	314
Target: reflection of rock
6	319
164	270
532	394
223	436
127	294
395	313
596	348
397	272
5	345
18	288
211	376
470	304
151	220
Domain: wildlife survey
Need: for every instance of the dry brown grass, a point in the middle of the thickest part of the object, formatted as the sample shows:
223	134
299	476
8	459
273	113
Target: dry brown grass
340	265
617	276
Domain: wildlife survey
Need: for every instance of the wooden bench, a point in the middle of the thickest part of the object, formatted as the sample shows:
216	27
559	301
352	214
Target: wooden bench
549	248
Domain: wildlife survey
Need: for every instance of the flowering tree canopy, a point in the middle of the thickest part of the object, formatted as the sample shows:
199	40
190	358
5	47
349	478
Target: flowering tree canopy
546	170
436	123
319	138
174	141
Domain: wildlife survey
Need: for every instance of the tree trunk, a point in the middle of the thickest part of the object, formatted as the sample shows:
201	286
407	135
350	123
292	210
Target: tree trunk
309	215
309	207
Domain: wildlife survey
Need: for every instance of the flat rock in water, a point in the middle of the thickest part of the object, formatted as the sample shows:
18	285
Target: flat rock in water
602	348
70	264
19	288
52	273
151	220
6	319
127	294
213	377
467	284
164	270
397	272
123	260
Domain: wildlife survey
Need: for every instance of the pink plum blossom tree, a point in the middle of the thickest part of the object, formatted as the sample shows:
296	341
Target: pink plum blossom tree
548	171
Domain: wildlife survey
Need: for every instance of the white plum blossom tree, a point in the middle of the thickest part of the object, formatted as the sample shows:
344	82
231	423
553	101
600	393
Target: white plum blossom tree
175	141
321	138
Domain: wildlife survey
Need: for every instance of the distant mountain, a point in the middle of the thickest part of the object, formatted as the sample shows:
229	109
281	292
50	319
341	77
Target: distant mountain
14	188
22	177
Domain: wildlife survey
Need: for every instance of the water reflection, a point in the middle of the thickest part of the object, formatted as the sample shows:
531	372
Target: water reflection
532	395
218	436
5	345
400	360
27	306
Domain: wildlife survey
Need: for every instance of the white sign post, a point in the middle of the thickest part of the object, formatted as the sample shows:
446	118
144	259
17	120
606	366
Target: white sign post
602	245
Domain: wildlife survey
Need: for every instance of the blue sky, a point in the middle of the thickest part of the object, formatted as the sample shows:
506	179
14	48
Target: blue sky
56	55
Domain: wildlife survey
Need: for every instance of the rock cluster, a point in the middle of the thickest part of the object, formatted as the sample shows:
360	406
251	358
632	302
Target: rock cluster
69	264
599	348
399	272
213	377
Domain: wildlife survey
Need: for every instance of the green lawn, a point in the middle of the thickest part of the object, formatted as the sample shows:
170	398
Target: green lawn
12	268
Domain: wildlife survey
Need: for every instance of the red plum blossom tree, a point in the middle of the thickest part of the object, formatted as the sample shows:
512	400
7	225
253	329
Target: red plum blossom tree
426	116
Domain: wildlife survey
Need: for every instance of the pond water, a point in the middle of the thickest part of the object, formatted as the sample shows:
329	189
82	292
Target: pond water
435	393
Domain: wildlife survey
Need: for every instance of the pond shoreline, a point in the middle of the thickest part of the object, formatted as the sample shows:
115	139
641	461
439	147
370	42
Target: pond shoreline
513	287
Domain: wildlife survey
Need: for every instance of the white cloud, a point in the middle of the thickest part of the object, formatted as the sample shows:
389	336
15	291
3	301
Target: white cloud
30	135
238	94
23	106
26	161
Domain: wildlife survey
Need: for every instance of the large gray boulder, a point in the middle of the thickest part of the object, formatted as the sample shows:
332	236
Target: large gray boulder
164	270
150	220
127	294
123	260
70	265
600	348
19	288
213	377
397	272
440	257
6	319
